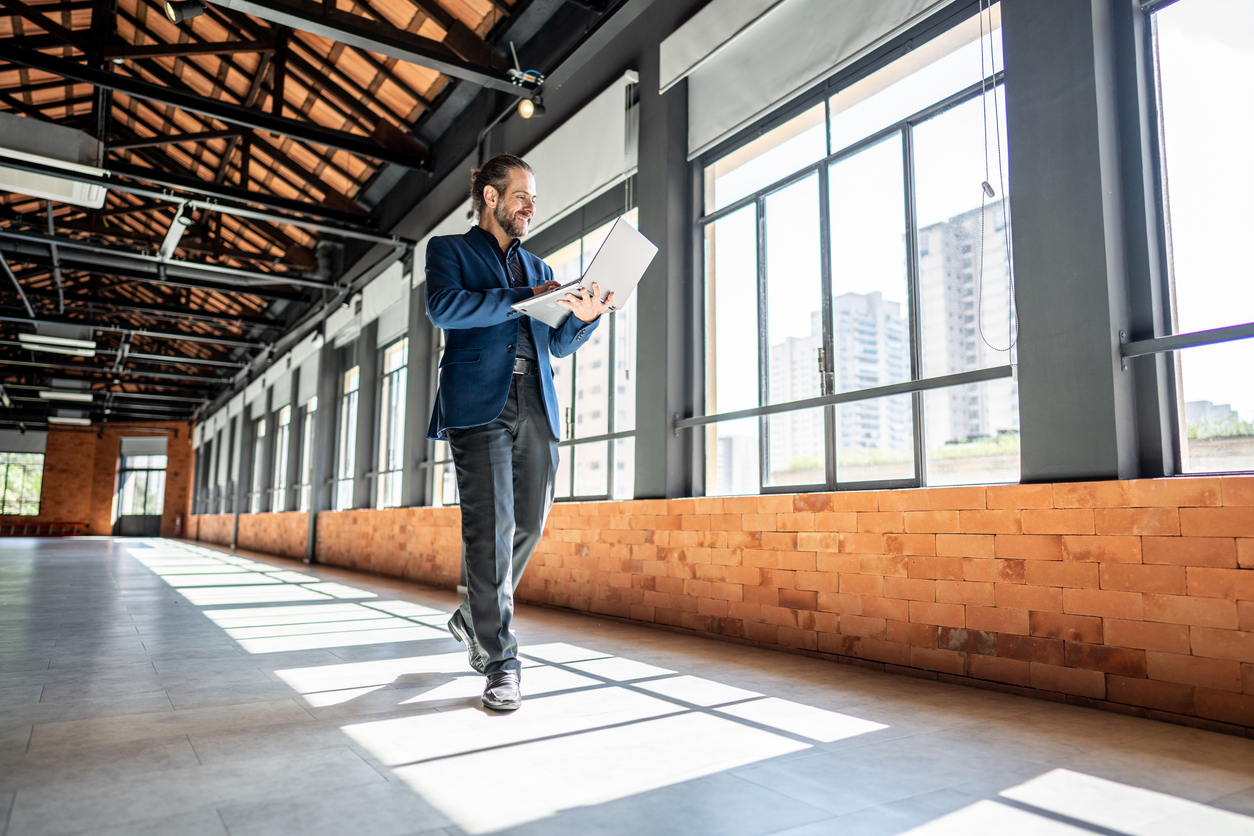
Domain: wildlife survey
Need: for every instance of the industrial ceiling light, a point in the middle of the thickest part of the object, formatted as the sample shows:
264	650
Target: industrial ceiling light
528	108
63	395
180	10
58	345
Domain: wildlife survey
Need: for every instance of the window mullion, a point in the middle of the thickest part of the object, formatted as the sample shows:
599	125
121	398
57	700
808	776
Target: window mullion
826	376
914	300
764	362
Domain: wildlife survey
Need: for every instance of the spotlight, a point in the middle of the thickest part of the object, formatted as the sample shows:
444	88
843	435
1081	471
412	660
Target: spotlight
528	108
180	10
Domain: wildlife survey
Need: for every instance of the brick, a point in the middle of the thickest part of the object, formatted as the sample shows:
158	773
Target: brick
1214	552
767	633
811	502
1082	683
855	501
948	568
862	584
1074	628
964	545
907	500
1245	616
1247	677
1151	521
1175	492
956	499
1229	521
758	522
1237	709
710	606
921	544
1182	609
998	620
893	653
993	571
1029	546
918	635
888	608
1117	660
990	522
818	581
1148	693
964	592
1113	494
1146	635
836	562
946	661
880	521
1221	583
803	521
931	522
1051	573
1245	553
1010	671
798	599
1222	644
1238	490
840	602
862	543
764	595
942	615
798	561
914	589
1019	496
858	625
835	521
888	565
1058	521
779	616
967	641
818	541
1163	579
1021	597
1102	602
770	504
1219	674
1103	549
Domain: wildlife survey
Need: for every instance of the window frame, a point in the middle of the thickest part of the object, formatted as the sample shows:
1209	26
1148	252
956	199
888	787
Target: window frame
6	468
390	432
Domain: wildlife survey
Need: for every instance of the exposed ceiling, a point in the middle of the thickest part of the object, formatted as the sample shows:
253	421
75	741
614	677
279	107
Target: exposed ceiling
239	148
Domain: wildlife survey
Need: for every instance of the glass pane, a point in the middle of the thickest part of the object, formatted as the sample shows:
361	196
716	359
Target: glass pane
731	317
444	476
973	433
624	368
128	489
154	494
875	440
624	468
768	159
869	282
562	480
939	68
731	457
565	263
1218	407
592	385
563	384
967	316
591	462
1206	77
794	295
795	451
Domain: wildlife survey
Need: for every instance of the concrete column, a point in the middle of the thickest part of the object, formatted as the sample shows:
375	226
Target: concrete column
367	416
324	444
1076	403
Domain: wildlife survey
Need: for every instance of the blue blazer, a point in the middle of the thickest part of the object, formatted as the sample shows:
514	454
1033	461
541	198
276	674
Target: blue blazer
468	295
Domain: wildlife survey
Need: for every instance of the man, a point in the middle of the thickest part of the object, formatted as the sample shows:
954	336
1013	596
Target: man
497	407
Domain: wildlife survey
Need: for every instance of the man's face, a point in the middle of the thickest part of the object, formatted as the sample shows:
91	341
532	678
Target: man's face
516	207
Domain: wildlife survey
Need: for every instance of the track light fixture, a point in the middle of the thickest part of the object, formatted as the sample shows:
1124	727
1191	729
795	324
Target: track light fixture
528	108
180	10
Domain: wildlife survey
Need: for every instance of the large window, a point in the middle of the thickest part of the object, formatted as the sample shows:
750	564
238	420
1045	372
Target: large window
21	480
346	458
1204	67
256	494
596	390
141	485
392	424
860	251
282	439
307	454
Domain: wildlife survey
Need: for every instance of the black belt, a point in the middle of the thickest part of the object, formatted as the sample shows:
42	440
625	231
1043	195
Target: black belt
524	366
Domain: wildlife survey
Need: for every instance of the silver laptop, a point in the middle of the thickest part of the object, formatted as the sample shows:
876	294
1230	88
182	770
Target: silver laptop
617	267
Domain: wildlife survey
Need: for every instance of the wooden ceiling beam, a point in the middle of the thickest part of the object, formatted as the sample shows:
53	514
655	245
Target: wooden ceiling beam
68	37
461	38
176	139
128	52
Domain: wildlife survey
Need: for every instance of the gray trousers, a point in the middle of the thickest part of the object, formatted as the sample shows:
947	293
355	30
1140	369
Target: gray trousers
505	475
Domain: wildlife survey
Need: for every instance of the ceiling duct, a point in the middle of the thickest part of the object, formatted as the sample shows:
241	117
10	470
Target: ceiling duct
52	145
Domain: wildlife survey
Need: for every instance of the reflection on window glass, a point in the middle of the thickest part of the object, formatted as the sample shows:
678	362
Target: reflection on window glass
930	73
973	433
731	457
795	448
392	424
794	292
1218	426
771	157
346	458
875	439
1207	179
624	469
731	314
21	481
278	482
591	466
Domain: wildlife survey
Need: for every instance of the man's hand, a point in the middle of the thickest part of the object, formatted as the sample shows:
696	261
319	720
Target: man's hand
551	284
587	306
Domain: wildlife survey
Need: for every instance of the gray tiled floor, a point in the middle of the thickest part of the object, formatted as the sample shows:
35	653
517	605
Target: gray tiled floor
151	687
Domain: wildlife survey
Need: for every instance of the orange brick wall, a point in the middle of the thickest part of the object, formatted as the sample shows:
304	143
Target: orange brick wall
282	534
80	476
1136	596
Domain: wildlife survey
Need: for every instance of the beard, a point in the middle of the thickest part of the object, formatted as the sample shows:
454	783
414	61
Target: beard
515	225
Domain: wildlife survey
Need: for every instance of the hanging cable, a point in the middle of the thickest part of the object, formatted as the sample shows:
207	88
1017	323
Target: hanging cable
987	191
